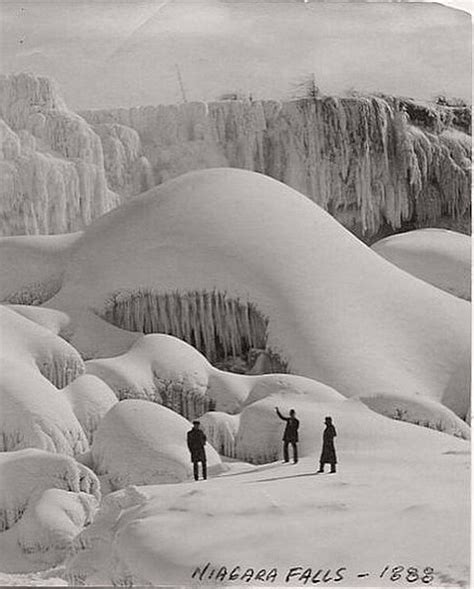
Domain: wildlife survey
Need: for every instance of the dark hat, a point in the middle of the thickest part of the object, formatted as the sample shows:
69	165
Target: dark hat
328	418
196	422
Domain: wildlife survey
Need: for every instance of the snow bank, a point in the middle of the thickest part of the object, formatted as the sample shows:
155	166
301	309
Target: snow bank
31	344
53	320
34	414
420	411
53	177
333	310
437	256
31	471
90	399
33	266
51	521
143	443
360	158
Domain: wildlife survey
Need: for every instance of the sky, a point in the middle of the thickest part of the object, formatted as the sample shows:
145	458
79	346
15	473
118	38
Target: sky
111	53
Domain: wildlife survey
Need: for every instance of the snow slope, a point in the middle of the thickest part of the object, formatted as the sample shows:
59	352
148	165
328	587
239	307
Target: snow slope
327	305
391	503
33	266
140	443
437	256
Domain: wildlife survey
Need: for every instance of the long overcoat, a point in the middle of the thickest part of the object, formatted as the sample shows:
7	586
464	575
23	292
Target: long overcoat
328	453
196	445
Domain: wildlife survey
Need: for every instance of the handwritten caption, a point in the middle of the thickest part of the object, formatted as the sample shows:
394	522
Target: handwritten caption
310	575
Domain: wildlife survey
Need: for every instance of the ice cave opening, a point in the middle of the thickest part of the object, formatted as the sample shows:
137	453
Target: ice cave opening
229	332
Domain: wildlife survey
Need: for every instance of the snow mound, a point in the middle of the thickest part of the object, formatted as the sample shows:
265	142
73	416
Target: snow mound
437	256
29	472
168	371
90	399
142	443
420	411
254	259
53	177
53	320
34	414
33	266
52	519
36	346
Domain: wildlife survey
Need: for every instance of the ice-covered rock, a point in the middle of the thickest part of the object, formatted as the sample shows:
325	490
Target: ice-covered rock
25	473
437	256
53	177
33	345
90	399
51	521
34	414
33	266
360	158
142	443
181	259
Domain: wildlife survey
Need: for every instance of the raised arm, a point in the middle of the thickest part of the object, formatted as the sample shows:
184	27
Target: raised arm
280	415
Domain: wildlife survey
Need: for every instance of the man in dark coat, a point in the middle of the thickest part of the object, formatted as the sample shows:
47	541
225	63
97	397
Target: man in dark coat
290	435
196	445
328	454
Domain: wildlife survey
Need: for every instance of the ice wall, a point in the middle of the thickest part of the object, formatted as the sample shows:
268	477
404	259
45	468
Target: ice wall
51	162
374	163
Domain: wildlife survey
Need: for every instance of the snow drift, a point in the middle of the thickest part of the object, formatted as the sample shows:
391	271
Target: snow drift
142	443
334	311
437	256
52	165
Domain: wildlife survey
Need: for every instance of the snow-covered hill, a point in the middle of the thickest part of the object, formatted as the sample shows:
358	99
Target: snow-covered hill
239	257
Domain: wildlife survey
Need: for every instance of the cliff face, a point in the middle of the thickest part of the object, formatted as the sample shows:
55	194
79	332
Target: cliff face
376	164
362	159
51	162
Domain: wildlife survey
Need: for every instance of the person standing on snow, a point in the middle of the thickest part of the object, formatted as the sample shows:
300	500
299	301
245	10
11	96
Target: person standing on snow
196	445
291	435
328	453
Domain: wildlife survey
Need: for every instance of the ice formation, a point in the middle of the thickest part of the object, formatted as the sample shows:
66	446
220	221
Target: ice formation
142	443
51	521
33	266
437	256
29	472
335	310
33	345
34	414
127	170
363	159
52	166
221	431
90	399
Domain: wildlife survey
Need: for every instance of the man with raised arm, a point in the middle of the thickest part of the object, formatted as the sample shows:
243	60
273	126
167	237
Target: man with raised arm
290	436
